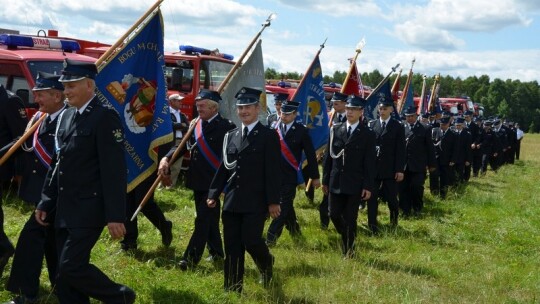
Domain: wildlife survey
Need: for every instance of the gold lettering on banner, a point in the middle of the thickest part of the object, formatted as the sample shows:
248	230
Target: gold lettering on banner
127	54
130	150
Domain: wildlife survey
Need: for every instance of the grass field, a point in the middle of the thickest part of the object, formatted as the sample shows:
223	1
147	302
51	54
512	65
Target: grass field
481	245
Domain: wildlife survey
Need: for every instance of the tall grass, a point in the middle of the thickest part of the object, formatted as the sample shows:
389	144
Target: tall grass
481	245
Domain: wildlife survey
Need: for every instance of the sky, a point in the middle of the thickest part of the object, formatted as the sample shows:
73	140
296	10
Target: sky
460	38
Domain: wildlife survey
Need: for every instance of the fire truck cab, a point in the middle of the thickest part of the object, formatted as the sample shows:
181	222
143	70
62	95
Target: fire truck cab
457	105
188	71
22	56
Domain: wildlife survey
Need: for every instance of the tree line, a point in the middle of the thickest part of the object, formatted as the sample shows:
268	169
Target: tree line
513	100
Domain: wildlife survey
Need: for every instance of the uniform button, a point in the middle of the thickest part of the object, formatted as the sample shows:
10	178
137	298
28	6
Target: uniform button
35	160
61	188
237	187
95	193
61	173
61	157
239	157
33	171
238	167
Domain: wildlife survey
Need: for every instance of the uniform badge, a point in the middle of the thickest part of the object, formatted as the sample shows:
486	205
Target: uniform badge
118	136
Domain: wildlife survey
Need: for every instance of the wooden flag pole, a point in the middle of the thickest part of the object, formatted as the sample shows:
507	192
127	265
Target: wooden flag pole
359	48
192	125
225	82
29	132
120	41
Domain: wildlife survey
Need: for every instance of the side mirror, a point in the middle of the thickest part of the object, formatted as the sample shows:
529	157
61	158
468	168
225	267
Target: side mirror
24	95
176	81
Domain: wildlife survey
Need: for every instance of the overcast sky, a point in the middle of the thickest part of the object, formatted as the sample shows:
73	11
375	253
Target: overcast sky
500	38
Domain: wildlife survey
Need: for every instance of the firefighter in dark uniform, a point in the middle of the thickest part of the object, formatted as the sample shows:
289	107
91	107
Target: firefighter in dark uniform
489	146
420	156
475	130
463	151
446	156
390	142
349	172
273	119
205	144
338	115
37	241
251	178
295	140
85	189
13	121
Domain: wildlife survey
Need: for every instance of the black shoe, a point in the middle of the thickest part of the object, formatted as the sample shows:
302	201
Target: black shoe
129	295
5	258
128	246
267	274
214	258
23	300
184	265
166	234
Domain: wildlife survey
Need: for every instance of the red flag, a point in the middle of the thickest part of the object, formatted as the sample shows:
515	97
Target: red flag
352	83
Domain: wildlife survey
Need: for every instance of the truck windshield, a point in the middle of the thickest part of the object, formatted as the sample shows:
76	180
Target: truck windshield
52	67
212	73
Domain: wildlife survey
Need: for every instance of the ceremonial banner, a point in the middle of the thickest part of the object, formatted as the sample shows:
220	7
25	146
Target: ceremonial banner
132	81
382	92
250	74
352	87
409	99
312	110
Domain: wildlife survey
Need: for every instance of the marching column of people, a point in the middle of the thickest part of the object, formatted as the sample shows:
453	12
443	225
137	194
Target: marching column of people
73	159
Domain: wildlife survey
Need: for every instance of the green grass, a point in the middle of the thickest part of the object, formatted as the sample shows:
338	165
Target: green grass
479	246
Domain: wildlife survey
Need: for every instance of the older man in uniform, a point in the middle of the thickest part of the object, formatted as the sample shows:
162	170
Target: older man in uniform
13	120
420	156
37	241
295	140
251	178
85	189
205	144
349	172
390	141
475	131
180	126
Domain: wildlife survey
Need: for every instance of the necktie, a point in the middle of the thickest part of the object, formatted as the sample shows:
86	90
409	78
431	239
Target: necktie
76	116
384	125
204	124
46	123
245	134
283	129
349	130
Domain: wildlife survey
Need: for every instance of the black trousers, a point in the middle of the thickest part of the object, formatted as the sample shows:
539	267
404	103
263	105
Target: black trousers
486	160
411	192
206	231
434	181
324	211
5	245
78	280
287	217
447	178
151	211
477	161
388	190
35	242
243	232
344	214
518	149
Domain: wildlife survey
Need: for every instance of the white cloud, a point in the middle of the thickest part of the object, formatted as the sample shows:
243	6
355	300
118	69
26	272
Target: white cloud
426	38
337	8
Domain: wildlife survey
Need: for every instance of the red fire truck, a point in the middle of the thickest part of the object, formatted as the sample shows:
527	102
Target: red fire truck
22	56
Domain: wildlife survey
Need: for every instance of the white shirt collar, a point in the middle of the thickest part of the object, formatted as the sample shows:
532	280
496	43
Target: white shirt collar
81	110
